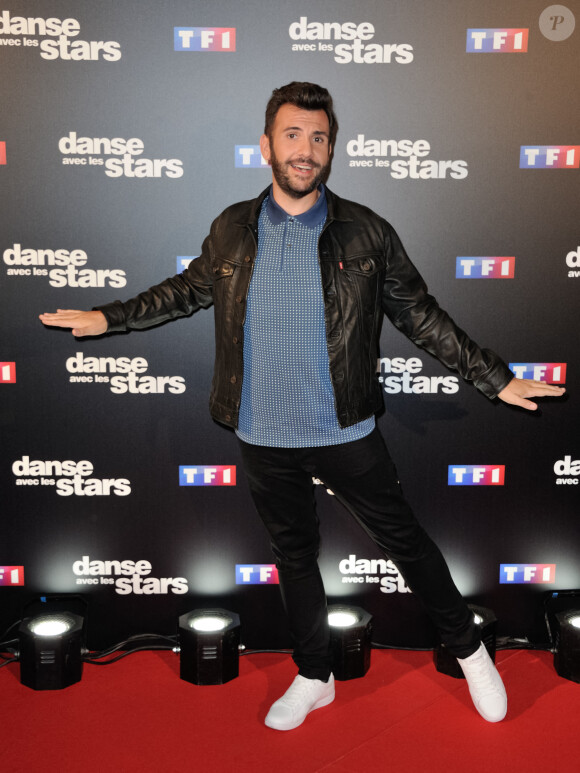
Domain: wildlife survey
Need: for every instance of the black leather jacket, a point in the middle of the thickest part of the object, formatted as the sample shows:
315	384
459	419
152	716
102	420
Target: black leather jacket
365	274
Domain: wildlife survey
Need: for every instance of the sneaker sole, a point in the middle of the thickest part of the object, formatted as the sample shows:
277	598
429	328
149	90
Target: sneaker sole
318	705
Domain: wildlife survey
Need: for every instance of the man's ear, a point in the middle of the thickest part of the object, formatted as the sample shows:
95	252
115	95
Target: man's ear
265	147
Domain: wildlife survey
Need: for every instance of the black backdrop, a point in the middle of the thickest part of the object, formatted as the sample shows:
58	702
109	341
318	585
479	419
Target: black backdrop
118	146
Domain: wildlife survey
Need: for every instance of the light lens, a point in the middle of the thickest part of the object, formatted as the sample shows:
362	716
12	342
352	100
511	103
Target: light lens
342	619
575	621
50	626
208	624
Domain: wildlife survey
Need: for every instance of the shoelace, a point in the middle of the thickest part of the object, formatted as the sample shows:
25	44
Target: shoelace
482	676
298	691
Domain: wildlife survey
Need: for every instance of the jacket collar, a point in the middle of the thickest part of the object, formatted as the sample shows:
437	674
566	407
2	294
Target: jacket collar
337	208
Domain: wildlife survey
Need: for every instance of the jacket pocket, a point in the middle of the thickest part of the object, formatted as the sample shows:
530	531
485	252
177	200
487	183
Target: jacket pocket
361	276
364	265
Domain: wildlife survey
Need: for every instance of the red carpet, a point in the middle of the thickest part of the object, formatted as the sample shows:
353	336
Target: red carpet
404	717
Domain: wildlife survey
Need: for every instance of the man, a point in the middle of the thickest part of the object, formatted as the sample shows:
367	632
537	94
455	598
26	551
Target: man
300	280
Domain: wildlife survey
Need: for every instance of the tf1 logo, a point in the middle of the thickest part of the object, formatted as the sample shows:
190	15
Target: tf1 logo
550	372
183	262
222	39
256	574
485	268
497	41
549	156
7	372
476	475
11	575
207	475
526	573
249	157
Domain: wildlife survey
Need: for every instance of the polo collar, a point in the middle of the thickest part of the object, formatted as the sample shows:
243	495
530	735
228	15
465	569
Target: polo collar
311	218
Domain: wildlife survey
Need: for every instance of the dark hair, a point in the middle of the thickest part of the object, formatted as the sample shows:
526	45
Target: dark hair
307	96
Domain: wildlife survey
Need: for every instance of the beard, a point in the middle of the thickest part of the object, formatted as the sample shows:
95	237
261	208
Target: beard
301	188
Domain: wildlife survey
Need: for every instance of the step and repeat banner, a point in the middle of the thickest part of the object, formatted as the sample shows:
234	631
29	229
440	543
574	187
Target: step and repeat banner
126	127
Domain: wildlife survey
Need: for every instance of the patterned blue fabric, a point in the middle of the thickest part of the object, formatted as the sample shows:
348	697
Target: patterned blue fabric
287	397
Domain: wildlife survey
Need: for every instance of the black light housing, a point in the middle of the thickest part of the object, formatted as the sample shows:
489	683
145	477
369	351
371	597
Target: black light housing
350	641
446	663
567	644
562	616
209	641
51	649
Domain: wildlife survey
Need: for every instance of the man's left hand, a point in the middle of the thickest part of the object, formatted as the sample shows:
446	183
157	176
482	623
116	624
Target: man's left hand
516	392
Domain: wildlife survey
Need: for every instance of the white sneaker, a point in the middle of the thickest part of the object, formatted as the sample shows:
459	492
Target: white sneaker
485	685
302	697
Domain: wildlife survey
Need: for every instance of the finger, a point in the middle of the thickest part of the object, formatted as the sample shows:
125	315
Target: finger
528	405
55	315
65	313
541	388
56	320
61	314
520	401
51	319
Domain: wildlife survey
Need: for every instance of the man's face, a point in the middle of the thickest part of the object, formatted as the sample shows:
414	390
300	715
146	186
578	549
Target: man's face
298	149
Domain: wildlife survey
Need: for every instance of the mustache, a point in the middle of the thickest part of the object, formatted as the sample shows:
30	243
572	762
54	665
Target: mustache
303	160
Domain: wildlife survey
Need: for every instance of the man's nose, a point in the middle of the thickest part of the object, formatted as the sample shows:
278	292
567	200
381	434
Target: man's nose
304	147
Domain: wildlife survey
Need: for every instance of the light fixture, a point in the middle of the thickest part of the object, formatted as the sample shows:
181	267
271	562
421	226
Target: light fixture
350	641
50	650
446	663
209	642
567	644
562	615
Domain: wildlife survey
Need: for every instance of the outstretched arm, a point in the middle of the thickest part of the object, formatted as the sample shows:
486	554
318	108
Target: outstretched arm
516	392
83	323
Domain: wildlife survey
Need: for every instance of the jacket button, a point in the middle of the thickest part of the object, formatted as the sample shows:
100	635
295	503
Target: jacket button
247	259
366	266
239	299
235	339
228	417
233	379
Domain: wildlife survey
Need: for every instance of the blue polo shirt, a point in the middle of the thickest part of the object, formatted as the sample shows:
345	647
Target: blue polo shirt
287	396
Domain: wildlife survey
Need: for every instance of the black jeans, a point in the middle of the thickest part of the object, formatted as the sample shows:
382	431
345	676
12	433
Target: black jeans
362	475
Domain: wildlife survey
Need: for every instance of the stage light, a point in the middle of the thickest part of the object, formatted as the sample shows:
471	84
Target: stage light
562	615
209	642
350	641
50	650
567	644
446	663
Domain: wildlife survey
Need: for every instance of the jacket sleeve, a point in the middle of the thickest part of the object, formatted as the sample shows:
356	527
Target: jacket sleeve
177	296
409	306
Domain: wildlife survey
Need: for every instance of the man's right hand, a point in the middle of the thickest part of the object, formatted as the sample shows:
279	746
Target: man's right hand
83	323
